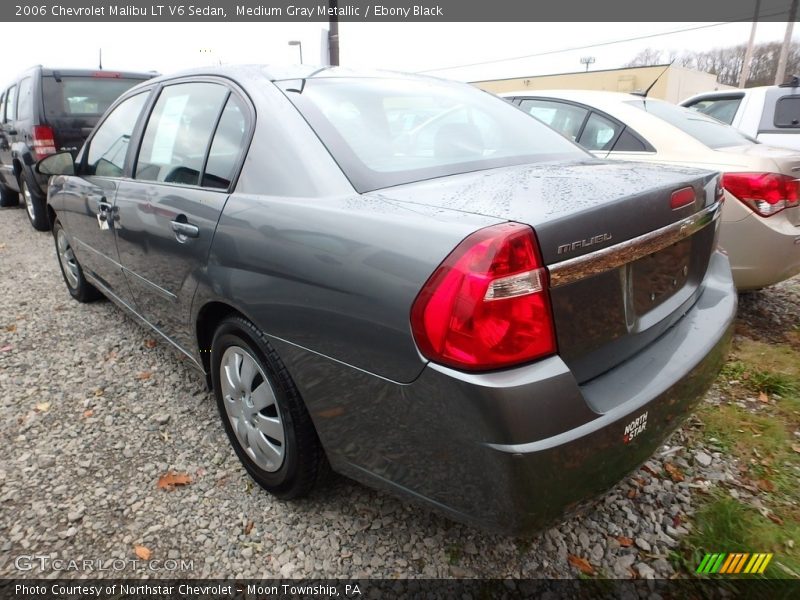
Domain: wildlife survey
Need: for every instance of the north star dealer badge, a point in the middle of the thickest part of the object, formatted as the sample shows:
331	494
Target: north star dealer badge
634	428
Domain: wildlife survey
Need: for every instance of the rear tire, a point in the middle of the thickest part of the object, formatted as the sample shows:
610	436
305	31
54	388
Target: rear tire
35	205
8	197
262	412
71	270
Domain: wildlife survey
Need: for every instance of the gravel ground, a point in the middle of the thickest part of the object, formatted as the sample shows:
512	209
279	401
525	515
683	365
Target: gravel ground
94	411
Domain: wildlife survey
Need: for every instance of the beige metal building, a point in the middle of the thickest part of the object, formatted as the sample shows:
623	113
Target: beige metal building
676	84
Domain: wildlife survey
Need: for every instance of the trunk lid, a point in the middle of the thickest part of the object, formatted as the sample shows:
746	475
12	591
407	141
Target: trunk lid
624	266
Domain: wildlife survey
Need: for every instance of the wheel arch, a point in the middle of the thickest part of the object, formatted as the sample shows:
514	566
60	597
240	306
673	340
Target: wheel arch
208	317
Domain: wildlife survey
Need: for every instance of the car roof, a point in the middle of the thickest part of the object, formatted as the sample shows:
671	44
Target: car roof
290	72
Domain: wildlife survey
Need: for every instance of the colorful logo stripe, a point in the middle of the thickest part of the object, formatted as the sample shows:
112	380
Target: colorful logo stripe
733	563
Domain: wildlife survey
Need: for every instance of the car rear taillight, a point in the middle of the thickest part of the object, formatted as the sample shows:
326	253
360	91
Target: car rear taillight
486	306
43	141
764	193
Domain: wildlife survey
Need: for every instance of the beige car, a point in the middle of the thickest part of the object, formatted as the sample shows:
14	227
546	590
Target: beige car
761	218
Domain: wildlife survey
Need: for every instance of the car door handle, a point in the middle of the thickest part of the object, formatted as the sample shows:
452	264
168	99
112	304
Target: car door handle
184	229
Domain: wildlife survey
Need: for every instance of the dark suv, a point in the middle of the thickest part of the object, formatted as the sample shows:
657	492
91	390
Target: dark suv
44	111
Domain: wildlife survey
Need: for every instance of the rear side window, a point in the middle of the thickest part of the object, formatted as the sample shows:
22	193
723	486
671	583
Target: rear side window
564	118
787	112
25	99
722	109
227	145
599	133
628	142
68	96
109	145
11	103
178	133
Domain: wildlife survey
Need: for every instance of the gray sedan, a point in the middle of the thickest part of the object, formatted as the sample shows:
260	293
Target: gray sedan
403	279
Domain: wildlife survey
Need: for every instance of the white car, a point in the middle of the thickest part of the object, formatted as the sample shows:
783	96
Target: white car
761	218
771	114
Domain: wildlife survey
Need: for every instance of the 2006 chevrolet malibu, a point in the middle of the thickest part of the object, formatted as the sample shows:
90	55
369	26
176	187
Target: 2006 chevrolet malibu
403	278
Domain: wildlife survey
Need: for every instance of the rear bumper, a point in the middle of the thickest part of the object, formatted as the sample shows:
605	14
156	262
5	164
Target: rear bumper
763	251
512	450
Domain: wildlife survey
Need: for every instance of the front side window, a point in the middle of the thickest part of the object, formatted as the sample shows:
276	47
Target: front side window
25	101
704	129
385	132
11	103
178	133
107	150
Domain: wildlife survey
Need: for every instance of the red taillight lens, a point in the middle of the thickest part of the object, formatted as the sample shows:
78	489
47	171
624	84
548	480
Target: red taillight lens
764	193
43	141
486	306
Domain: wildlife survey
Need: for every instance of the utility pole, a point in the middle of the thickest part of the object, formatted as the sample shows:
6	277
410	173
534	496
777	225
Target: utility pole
748	55
780	74
333	33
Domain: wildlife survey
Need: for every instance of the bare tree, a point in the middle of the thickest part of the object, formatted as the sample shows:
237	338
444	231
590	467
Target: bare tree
727	63
647	58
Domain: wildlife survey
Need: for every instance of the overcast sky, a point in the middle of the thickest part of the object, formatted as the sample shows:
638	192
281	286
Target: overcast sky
167	47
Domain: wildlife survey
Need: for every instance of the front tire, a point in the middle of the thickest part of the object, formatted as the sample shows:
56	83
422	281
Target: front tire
34	205
262	412
71	270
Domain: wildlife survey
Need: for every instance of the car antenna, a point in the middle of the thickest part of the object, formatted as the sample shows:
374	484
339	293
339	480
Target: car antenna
644	93
101	59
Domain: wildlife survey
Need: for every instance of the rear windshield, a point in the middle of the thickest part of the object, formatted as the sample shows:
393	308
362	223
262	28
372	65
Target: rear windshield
82	96
706	130
385	132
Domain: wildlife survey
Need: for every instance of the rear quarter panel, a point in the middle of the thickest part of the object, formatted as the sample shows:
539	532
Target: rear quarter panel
334	276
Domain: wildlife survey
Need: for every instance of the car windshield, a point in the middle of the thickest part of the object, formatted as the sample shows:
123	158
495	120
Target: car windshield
68	96
706	130
385	132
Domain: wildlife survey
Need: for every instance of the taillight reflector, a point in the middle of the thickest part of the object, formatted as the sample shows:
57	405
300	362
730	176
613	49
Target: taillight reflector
43	141
486	306
764	193
682	197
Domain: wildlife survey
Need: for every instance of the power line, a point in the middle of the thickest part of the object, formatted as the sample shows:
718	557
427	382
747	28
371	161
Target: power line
609	43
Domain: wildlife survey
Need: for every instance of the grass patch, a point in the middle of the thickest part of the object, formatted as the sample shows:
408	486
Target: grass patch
758	380
454	554
759	431
741	431
727	525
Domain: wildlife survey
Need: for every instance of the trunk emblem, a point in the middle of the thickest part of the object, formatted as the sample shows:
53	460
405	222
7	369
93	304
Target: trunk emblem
585	243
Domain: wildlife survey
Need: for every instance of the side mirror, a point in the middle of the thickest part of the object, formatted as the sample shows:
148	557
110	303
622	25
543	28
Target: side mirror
61	163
